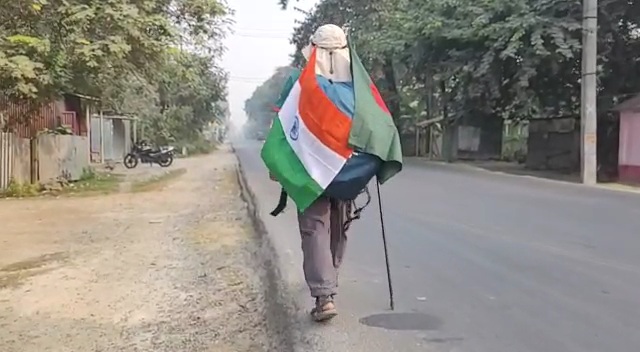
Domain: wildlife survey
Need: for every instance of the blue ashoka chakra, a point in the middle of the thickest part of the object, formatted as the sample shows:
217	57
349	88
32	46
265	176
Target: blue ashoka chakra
295	129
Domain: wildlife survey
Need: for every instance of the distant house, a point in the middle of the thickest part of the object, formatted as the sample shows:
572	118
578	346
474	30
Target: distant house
629	140
554	144
29	154
112	136
27	120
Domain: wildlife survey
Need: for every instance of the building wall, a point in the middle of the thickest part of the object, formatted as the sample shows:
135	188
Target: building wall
21	160
629	148
15	159
480	138
116	135
78	107
119	144
6	159
553	144
61	156
95	139
58	156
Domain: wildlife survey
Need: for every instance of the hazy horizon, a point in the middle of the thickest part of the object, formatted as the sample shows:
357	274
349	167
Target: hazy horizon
259	44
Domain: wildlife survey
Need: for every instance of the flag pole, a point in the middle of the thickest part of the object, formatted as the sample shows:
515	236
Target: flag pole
386	252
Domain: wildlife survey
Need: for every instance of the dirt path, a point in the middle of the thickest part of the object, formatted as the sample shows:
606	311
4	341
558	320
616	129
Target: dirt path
170	270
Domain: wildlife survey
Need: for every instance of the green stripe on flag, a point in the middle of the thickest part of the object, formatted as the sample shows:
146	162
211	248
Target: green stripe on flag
373	130
283	163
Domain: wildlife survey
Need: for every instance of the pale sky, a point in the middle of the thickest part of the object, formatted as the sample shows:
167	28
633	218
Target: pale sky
259	45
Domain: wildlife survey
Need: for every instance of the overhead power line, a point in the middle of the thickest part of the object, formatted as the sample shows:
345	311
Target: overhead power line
248	78
261	30
261	35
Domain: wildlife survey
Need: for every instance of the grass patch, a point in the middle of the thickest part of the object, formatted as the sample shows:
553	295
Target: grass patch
97	183
90	183
20	190
199	147
157	182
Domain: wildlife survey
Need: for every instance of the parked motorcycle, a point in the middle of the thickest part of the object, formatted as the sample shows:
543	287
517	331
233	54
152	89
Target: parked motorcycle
143	152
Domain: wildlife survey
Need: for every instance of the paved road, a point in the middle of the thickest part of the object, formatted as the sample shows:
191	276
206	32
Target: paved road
492	262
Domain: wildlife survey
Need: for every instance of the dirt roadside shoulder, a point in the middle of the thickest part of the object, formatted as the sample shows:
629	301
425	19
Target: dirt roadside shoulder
175	269
290	318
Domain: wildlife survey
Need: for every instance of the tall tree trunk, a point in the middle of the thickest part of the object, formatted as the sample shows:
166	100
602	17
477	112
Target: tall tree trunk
450	127
393	99
428	91
427	81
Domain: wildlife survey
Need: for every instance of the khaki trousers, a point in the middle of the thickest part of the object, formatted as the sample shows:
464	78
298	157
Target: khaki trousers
323	244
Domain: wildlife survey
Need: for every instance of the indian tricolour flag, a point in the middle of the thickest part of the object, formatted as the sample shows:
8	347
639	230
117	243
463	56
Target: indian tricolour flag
308	143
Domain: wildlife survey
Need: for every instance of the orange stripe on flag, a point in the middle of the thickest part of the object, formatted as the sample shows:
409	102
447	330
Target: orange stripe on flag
330	125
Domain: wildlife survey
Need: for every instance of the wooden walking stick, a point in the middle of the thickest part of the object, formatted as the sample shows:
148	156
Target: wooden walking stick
386	252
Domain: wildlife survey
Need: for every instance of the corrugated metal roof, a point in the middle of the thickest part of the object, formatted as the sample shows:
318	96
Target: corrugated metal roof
23	118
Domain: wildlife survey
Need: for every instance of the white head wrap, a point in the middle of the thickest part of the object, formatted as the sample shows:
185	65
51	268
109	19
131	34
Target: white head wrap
332	53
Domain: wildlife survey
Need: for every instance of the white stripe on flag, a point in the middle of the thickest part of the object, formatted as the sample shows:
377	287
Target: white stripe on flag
321	162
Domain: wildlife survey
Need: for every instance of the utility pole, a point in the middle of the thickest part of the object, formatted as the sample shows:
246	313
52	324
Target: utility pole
588	108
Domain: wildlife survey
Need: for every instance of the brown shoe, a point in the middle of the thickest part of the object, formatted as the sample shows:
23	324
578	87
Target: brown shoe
324	310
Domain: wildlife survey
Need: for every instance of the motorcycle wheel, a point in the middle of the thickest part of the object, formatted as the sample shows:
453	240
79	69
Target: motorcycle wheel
130	161
166	161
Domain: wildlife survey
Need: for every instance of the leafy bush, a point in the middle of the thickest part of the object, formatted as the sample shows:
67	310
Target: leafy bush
199	146
21	190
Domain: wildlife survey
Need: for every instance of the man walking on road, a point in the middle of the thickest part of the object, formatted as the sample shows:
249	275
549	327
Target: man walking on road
310	153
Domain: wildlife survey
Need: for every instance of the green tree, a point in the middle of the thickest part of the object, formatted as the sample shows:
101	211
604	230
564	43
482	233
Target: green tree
156	59
259	107
484	61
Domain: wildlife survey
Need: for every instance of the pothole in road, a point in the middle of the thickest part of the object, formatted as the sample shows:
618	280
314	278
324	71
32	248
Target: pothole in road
403	321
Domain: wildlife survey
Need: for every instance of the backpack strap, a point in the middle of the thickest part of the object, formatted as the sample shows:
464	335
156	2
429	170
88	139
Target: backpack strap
282	203
353	211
